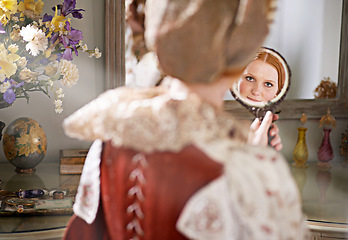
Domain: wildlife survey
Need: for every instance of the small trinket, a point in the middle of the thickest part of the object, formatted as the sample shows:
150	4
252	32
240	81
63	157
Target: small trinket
20	203
58	195
20	208
34	193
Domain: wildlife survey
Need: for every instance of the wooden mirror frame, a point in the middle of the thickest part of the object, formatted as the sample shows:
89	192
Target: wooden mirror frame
290	109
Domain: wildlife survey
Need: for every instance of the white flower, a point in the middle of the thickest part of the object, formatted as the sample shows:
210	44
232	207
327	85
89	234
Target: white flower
70	73
2	77
98	55
36	39
84	48
58	103
58	110
60	93
4	87
28	33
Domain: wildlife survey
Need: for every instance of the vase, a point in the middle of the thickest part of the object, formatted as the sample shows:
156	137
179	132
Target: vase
3	103
325	152
300	153
24	144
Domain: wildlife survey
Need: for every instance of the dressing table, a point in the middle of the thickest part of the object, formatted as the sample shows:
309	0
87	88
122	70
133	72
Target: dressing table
324	194
40	225
325	199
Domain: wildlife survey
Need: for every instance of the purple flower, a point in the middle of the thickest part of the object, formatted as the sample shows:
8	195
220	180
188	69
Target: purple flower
1	29
69	7
70	40
68	54
10	96
47	18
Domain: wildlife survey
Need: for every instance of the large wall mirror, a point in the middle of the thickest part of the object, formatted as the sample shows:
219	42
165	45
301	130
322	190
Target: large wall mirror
311	35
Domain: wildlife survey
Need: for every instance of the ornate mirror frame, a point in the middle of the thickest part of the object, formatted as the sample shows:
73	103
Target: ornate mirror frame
290	109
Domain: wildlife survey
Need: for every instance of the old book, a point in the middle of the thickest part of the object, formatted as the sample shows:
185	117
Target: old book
73	153
72	160
70	168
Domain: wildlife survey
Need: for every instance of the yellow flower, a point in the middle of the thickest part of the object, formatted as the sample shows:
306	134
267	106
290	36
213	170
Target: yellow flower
31	142
7	62
57	23
31	5
7	7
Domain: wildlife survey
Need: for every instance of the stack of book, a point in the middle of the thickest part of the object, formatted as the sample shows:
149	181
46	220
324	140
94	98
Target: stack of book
72	160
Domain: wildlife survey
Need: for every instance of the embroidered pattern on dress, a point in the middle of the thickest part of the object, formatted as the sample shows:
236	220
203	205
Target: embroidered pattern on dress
207	217
135	193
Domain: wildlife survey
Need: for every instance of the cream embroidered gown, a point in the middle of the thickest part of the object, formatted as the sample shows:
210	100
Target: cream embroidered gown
193	176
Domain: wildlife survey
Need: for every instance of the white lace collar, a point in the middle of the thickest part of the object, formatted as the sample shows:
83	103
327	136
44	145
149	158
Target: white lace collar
153	119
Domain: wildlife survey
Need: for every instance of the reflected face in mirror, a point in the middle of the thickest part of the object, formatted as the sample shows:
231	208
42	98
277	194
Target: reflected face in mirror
264	82
263	78
259	82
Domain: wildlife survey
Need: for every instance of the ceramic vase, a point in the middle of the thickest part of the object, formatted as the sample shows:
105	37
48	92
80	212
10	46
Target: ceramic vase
24	144
325	152
300	153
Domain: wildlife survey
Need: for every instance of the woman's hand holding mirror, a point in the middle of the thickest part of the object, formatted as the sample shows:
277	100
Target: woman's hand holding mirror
266	132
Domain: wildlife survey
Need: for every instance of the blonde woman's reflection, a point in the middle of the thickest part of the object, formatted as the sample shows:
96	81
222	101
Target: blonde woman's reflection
263	78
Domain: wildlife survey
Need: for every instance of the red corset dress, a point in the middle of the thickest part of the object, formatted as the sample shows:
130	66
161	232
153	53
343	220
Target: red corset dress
143	194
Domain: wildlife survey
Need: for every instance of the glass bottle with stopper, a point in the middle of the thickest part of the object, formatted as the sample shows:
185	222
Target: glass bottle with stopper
300	153
325	151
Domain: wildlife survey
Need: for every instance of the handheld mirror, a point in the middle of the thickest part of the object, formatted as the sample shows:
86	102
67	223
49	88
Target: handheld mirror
264	83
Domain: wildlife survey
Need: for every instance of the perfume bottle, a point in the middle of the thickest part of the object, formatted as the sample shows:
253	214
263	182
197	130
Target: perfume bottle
325	151
300	153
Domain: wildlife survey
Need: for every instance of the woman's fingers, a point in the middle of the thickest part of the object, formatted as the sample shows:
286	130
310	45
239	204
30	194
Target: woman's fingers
266	123
277	143
274	130
255	125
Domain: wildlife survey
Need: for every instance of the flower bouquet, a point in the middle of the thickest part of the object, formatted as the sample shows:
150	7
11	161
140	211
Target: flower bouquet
37	50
